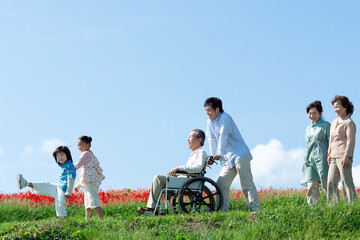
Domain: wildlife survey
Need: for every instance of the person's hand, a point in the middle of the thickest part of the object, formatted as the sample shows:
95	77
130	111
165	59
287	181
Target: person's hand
68	196
346	162
77	188
217	157
173	171
210	161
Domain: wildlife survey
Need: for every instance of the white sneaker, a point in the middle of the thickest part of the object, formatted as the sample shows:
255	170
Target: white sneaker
21	181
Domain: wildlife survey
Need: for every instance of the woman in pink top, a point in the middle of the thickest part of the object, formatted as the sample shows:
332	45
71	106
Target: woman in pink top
341	150
90	177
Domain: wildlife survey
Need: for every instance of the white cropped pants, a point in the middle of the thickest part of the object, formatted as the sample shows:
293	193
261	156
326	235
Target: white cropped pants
52	190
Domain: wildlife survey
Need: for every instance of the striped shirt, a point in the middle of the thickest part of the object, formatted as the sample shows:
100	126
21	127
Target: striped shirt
225	140
68	170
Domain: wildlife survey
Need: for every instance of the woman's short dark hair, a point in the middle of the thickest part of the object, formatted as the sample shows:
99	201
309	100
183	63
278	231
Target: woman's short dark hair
65	150
214	103
86	139
344	101
200	134
315	104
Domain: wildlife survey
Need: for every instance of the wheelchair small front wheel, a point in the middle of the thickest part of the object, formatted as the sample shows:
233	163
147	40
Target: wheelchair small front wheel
200	194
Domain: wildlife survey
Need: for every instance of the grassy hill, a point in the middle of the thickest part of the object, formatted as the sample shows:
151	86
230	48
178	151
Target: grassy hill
284	215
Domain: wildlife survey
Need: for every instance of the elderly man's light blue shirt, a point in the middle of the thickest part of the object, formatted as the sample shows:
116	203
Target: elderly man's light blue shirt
225	140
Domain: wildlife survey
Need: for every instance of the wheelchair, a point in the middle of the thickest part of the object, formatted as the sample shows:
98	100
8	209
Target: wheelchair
190	193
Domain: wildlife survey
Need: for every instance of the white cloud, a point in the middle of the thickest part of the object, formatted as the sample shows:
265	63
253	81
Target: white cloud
274	166
49	145
27	152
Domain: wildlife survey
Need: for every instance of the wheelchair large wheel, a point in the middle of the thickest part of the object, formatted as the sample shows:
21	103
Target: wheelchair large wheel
175	203
200	194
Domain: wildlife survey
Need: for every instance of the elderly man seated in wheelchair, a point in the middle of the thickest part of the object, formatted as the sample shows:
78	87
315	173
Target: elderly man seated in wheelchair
195	164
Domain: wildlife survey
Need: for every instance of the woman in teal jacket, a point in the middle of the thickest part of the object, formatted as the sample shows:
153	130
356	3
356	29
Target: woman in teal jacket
315	168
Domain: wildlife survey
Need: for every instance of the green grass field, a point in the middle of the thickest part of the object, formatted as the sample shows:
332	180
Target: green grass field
283	216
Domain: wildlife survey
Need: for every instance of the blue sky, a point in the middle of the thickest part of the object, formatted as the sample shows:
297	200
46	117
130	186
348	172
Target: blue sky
134	76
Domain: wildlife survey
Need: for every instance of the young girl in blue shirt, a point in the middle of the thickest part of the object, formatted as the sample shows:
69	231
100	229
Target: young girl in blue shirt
63	188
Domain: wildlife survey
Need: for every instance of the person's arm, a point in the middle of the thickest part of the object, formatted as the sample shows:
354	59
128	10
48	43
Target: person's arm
71	174
350	144
77	187
225	131
307	144
350	139
211	139
212	143
173	171
223	140
70	187
327	131
84	158
329	149
327	134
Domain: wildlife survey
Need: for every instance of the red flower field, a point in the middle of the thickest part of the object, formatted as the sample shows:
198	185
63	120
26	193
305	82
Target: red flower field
108	197
132	196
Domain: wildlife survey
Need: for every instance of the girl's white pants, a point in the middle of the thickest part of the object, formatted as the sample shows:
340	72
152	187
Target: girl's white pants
52	190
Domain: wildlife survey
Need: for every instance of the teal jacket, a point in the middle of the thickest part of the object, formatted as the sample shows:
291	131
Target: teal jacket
315	167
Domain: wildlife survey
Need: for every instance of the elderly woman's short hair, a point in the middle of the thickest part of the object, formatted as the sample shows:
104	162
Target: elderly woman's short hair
345	102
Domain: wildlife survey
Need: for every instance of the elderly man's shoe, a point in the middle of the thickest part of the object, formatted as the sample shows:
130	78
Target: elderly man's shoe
142	211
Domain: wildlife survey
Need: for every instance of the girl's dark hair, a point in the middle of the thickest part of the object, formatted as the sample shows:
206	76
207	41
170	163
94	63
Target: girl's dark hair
214	103
345	103
316	104
65	150
86	139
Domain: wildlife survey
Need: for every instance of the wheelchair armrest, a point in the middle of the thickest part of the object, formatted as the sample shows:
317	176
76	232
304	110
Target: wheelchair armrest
189	175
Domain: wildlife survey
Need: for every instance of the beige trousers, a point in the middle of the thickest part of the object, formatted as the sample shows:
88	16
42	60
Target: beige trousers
158	184
243	168
335	171
313	193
